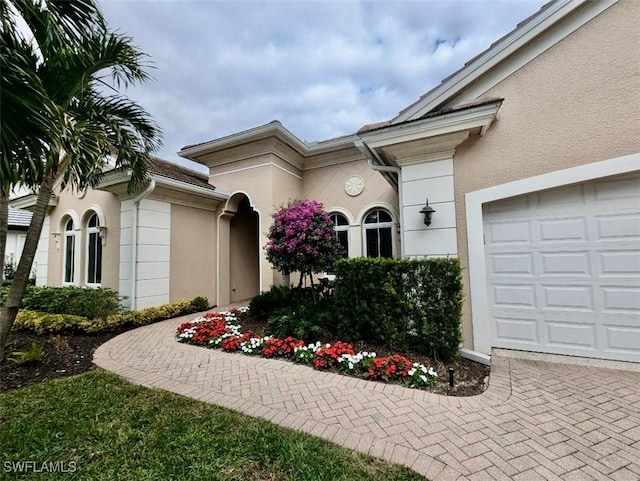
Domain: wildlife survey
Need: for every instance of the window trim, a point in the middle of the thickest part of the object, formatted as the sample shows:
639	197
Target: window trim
69	234
92	230
378	225
342	228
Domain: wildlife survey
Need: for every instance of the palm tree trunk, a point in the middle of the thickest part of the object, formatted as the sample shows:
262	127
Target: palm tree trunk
4	227
19	284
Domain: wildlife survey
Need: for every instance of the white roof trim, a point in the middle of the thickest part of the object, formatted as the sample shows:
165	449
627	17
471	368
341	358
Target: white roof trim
476	117
503	49
114	178
274	128
190	188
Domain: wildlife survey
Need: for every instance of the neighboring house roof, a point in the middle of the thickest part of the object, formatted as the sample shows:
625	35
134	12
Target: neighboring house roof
180	173
19	219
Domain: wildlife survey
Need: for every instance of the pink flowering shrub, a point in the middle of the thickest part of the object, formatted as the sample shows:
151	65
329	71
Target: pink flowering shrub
302	239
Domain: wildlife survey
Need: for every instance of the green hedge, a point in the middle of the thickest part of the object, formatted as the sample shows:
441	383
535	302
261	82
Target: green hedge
71	300
48	323
414	304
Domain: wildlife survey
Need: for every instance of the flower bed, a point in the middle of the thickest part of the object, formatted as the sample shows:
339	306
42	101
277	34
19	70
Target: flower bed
223	330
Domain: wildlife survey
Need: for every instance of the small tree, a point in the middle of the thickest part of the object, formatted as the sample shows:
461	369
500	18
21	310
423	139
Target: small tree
301	239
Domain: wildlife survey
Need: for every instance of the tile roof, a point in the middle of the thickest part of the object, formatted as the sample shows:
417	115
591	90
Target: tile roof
434	113
180	173
19	219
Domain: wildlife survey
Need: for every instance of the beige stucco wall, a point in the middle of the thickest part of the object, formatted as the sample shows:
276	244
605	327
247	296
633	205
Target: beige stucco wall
326	184
193	253
577	103
269	182
93	200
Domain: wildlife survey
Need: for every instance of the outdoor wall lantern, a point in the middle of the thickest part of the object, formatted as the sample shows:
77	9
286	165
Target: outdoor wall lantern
103	234
427	210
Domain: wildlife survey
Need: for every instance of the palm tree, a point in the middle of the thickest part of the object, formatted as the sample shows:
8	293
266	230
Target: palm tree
63	125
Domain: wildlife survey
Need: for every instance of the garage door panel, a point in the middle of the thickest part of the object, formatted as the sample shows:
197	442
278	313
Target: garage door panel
510	233
520	264
620	263
566	263
570	335
573	195
514	206
517	296
563	270
516	332
618	189
624	340
623	300
618	227
563	230
567	298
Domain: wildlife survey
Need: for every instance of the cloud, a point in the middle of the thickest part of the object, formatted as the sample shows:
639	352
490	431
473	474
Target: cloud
322	68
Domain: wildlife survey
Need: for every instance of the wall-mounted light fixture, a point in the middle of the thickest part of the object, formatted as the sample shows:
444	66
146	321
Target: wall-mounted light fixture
103	234
56	237
427	210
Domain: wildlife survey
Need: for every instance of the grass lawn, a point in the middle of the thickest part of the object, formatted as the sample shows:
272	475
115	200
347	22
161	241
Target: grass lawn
112	429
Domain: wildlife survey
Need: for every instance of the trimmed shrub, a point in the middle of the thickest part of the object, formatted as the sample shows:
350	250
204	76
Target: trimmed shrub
47	323
265	303
404	304
75	301
304	320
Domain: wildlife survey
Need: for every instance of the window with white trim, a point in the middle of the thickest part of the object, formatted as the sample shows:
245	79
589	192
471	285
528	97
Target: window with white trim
341	228
94	251
69	252
378	233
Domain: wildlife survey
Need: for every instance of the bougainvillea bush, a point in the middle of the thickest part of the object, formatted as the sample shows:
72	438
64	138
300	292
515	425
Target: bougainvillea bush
301	239
222	330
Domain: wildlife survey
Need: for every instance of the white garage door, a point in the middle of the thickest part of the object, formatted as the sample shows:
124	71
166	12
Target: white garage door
563	270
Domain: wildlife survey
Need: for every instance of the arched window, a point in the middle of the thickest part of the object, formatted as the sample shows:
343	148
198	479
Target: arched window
94	251
378	229
69	252
341	227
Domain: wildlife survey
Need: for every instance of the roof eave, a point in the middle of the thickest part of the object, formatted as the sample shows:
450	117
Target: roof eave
111	181
272	129
29	201
480	117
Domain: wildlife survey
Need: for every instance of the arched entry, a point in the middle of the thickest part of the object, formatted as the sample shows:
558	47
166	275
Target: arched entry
239	255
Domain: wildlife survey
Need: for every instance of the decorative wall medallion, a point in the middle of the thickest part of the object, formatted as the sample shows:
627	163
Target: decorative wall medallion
354	185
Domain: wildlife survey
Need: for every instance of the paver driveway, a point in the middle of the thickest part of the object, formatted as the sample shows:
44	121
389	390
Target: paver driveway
537	420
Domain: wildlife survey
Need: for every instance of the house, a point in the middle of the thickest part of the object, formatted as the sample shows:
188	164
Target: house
529	155
17	225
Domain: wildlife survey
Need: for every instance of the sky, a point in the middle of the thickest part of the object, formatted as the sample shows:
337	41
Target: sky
322	68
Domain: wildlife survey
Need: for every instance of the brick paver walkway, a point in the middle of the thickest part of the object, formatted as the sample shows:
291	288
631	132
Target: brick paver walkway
537	420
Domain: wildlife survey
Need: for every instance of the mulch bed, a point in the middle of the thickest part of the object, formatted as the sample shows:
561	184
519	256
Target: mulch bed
470	378
63	356
73	354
